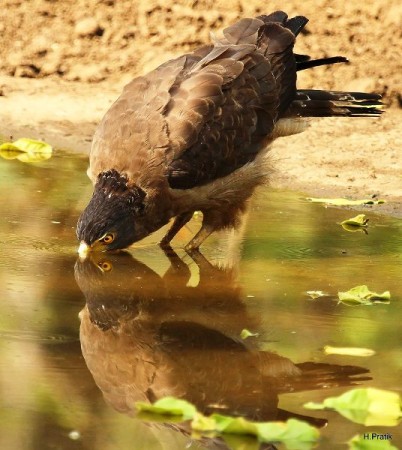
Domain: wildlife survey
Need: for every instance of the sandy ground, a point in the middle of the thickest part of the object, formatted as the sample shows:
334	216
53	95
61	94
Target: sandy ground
63	63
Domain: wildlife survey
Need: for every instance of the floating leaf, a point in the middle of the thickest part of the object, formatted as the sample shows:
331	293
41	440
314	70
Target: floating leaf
361	295
247	333
294	433
169	405
236	442
367	406
354	229
160	417
316	294
203	423
348	351
233	425
345	201
357	223
9	151
26	150
371	441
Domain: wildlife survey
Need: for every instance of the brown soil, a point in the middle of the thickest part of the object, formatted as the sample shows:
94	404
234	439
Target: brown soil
63	62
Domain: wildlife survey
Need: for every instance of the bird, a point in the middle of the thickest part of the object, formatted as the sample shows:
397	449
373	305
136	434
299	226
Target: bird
194	134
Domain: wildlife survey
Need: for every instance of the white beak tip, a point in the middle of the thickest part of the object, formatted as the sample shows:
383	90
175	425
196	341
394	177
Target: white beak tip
83	250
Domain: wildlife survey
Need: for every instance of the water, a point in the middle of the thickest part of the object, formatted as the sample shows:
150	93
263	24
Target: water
154	325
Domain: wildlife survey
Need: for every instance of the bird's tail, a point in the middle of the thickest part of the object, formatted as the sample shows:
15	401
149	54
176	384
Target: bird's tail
277	46
316	103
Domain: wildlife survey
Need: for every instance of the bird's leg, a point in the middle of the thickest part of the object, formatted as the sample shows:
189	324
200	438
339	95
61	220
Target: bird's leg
199	238
213	220
177	225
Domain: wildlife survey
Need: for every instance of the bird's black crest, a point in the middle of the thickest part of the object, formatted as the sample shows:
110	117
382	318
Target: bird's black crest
112	180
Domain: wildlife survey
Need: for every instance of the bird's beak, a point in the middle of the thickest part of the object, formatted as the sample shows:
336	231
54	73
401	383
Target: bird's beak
83	250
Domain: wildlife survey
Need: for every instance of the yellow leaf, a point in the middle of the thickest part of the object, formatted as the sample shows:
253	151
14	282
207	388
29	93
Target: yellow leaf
348	351
247	333
9	151
357	223
26	150
345	201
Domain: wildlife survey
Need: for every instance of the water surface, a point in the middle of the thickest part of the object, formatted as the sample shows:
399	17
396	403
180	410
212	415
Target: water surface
153	324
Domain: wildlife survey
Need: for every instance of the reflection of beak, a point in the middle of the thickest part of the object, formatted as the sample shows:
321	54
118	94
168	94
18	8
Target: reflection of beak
83	250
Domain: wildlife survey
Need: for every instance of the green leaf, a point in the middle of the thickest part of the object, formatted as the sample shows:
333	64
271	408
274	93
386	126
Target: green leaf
159	417
203	423
234	425
345	201
367	406
26	150
247	333
348	351
238	442
361	295
169	405
372	443
294	433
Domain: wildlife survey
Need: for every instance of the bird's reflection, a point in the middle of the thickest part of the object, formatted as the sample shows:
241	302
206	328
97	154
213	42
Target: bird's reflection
146	336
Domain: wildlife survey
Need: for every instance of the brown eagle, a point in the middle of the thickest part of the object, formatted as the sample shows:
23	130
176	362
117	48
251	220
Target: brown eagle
192	135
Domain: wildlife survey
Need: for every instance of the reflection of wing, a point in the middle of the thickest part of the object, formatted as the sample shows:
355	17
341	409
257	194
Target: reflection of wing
199	358
183	341
147	361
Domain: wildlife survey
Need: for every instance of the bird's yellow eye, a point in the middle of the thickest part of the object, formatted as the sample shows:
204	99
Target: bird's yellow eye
105	266
107	238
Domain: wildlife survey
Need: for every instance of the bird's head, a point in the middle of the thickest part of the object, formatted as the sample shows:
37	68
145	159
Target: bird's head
111	219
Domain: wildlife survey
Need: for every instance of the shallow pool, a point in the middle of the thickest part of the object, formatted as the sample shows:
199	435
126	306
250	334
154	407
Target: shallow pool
82	341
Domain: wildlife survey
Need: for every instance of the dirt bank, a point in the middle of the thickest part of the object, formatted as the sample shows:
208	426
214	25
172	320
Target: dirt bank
62	63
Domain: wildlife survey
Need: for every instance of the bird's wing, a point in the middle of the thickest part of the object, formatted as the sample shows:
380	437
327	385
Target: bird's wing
134	127
221	112
201	116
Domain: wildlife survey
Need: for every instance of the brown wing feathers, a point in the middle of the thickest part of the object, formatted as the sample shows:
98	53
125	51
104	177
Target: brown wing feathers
206	114
245	83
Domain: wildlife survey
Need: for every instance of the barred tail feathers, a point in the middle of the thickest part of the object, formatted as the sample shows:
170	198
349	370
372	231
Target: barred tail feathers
317	103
